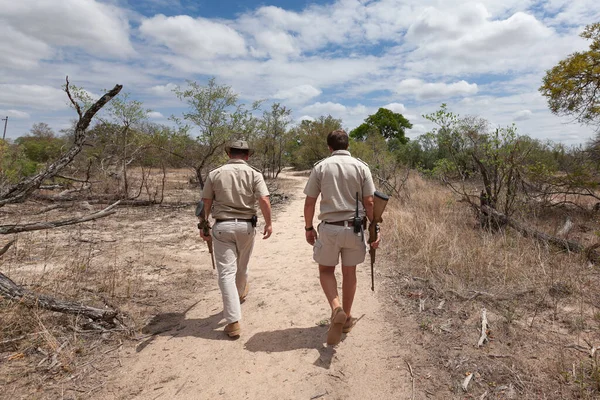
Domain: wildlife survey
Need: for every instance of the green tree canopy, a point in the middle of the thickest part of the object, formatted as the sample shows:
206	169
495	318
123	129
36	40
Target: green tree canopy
389	124
572	86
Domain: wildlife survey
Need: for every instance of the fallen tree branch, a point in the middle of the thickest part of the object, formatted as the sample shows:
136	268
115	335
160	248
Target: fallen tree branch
36	226
11	291
569	245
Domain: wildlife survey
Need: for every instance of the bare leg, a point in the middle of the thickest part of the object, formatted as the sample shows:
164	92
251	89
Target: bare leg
329	285
348	288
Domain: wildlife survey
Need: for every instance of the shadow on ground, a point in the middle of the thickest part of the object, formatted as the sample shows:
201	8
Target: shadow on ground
176	325
293	339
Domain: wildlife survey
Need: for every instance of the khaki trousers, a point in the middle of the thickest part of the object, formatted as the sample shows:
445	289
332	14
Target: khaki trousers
233	242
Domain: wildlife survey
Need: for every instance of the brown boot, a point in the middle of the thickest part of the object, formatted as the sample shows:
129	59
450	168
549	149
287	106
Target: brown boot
334	334
233	329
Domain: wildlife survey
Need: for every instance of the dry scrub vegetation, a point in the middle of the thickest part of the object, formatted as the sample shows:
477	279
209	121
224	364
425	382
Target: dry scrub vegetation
141	261
543	305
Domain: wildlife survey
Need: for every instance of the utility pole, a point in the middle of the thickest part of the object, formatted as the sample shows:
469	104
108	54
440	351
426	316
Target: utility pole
5	123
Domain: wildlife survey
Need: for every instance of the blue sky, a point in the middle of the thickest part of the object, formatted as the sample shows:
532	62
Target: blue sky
346	58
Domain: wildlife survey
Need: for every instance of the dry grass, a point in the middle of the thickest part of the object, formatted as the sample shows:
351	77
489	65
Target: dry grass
129	261
537	297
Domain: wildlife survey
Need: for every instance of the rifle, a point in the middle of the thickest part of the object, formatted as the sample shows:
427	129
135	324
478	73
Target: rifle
205	226
380	201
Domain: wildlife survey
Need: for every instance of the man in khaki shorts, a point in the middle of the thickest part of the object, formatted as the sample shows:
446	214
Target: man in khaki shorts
338	179
232	191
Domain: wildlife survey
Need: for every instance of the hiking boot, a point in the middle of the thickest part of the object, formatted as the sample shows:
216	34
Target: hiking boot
233	330
338	319
245	294
350	322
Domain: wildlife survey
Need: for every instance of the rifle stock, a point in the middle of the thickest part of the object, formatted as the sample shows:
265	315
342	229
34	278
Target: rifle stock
380	202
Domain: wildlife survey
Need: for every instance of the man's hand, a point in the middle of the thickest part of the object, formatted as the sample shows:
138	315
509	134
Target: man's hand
205	238
311	236
268	231
375	244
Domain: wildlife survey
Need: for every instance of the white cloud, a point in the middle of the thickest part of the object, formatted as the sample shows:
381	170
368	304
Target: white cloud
305	118
318	109
163	90
33	96
522	115
19	50
298	94
155	115
95	27
13	114
198	38
275	43
424	90
396	107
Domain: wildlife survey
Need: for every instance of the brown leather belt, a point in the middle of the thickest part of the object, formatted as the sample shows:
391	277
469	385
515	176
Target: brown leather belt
340	223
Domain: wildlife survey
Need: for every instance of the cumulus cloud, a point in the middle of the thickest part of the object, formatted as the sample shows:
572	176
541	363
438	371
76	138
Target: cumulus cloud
198	38
298	94
424	90
94	27
19	50
468	40
163	90
155	115
522	115
396	107
319	109
33	96
304	118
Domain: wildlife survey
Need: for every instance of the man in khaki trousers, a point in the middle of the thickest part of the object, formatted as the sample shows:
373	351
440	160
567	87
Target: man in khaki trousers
231	192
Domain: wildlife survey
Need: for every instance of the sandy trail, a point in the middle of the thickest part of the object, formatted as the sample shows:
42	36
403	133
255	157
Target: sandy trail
281	353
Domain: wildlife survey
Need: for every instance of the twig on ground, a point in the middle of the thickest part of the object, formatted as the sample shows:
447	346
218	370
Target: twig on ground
7	246
484	328
465	384
412	380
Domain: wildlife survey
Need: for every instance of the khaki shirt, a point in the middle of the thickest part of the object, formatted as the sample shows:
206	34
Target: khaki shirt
234	188
338	178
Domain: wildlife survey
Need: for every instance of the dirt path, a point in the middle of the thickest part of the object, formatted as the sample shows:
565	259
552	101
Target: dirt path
281	353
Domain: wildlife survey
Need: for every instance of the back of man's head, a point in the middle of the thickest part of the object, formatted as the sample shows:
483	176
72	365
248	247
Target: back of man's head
338	140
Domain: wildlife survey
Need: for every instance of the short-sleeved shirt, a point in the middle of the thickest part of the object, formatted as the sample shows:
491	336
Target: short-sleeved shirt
234	188
339	178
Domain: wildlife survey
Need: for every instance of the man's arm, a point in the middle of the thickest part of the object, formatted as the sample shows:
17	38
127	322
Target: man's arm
368	203
309	213
207	210
265	208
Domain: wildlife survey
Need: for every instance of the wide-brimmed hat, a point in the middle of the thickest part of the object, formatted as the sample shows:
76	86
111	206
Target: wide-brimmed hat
240	145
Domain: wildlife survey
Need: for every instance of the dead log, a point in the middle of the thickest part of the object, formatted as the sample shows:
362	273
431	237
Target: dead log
11	291
36	226
22	190
568	245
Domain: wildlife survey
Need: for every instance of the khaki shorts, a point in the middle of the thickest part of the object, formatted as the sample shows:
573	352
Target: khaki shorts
335	240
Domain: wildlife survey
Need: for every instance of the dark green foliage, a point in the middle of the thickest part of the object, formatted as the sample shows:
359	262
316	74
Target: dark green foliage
308	142
41	145
392	126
